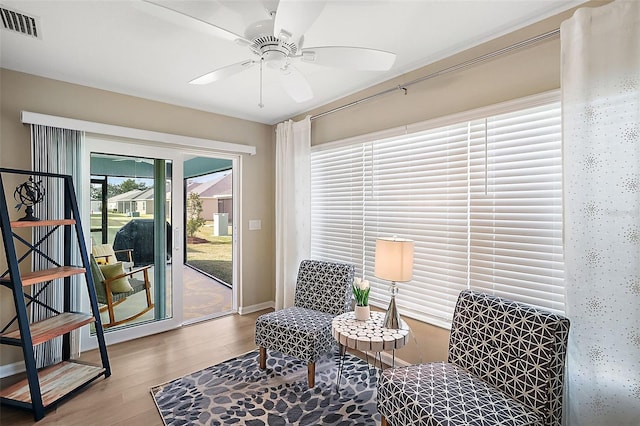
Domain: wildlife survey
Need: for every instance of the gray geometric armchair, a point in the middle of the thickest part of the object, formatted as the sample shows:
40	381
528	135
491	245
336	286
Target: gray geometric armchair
505	367
323	291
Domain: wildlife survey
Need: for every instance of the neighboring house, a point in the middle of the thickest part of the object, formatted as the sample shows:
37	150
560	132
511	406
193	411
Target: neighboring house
135	202
216	196
127	202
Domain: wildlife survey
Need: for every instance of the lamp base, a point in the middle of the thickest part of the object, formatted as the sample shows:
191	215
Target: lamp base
392	318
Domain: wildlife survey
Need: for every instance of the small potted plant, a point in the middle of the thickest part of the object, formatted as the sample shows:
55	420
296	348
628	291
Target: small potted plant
361	293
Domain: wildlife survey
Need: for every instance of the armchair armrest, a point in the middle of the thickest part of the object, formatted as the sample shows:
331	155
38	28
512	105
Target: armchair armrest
128	273
128	251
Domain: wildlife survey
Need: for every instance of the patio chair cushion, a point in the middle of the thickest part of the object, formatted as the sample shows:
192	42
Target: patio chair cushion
119	285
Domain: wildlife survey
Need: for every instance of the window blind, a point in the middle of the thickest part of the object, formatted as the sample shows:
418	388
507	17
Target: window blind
337	204
418	189
481	199
516	208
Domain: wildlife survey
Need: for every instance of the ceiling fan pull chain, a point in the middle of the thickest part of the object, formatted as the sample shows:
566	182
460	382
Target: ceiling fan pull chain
261	105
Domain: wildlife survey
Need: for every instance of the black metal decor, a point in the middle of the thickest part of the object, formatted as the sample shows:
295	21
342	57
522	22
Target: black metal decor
29	194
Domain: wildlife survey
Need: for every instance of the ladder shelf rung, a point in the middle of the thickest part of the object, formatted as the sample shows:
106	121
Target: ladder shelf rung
35	277
50	328
56	382
39	223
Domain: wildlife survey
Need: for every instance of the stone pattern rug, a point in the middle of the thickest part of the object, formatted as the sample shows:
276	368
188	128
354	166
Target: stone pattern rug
238	392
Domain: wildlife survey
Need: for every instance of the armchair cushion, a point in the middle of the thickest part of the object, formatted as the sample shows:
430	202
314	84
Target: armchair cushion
324	286
441	393
113	270
299	332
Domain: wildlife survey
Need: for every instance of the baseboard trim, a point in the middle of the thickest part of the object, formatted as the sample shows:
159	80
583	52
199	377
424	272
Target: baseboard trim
242	310
11	369
387	359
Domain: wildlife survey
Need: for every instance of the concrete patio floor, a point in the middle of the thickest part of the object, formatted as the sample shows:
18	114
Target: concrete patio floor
203	298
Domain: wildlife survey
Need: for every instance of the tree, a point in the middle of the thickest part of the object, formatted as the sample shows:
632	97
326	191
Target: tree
96	193
113	190
130	185
194	208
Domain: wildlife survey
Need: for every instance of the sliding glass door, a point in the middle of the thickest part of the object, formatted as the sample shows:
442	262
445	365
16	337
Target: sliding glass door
135	229
176	213
208	289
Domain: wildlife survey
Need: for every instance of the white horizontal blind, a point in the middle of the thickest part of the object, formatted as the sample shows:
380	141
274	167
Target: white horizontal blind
419	190
516	208
484	210
337	204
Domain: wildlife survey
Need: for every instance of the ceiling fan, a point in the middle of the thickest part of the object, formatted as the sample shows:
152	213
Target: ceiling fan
277	42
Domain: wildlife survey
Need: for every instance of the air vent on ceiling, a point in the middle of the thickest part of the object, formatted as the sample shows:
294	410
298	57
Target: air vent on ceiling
19	22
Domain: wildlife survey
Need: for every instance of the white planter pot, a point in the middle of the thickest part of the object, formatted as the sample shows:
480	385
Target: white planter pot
363	313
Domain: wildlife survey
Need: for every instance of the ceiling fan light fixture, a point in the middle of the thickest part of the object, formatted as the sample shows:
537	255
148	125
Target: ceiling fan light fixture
275	59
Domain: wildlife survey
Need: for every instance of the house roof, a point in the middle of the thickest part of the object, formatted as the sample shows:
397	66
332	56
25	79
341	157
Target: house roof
136	195
125	196
133	195
219	187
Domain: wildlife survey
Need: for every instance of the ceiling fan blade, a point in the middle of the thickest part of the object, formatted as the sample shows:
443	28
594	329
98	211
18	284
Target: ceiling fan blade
294	17
357	58
295	84
159	10
223	72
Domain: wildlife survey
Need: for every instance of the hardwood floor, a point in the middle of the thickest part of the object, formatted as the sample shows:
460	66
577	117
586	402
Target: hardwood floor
124	398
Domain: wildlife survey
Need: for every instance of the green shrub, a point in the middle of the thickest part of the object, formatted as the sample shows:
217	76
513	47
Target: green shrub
194	209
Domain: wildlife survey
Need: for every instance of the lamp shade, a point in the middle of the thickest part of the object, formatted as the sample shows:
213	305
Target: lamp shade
394	259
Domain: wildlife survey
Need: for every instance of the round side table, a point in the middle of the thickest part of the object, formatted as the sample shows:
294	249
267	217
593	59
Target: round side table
367	336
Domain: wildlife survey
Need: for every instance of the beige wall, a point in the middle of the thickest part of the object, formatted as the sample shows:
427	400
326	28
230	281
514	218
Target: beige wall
524	72
531	70
26	92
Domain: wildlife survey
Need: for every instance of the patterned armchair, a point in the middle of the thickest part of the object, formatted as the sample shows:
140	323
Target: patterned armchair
505	367
323	291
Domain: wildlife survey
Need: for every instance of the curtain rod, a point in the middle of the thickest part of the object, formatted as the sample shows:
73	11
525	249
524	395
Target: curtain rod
450	69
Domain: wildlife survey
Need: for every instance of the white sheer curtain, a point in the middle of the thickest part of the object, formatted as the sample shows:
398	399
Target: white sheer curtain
293	199
601	136
53	150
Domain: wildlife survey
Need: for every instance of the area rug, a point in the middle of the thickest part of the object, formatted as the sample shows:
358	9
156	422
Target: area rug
238	392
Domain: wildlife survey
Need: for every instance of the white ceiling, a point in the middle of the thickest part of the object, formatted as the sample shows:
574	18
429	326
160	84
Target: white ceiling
118	46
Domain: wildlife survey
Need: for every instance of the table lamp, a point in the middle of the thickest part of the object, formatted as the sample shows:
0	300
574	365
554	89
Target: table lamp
394	262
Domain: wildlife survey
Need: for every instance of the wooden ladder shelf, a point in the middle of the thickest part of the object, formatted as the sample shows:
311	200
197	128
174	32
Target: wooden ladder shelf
42	389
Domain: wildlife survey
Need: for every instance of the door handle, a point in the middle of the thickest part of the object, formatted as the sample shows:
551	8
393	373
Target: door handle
176	239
